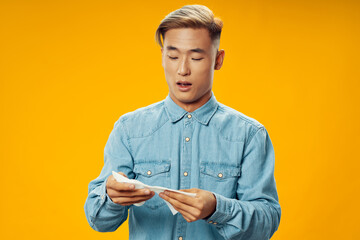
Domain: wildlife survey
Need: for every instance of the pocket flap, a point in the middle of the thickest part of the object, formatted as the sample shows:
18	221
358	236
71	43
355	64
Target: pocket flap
149	169
220	170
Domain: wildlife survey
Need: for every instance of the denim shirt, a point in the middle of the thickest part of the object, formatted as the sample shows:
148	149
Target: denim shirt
214	148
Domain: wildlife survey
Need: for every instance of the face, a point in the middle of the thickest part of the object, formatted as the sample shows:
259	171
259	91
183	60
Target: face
189	58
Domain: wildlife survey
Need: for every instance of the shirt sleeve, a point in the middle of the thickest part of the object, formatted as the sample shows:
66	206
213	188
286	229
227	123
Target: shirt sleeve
102	214
255	214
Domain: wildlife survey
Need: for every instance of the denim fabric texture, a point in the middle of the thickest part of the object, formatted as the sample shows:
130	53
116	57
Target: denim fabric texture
220	149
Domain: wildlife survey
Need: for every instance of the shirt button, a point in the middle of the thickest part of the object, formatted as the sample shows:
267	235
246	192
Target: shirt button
149	172
215	223
185	174
180	238
220	175
189	116
187	139
102	197
211	222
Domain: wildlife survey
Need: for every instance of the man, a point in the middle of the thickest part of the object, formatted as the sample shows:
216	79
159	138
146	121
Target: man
188	141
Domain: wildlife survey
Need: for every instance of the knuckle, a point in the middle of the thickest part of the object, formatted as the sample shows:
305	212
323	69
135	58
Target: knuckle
175	203
137	199
121	200
168	199
197	213
111	194
201	205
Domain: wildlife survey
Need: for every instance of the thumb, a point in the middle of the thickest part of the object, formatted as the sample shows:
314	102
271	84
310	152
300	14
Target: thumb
192	190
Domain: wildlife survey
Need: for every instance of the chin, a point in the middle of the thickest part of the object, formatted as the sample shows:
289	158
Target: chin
188	97
188	100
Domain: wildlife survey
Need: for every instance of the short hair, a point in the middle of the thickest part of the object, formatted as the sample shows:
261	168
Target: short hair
190	16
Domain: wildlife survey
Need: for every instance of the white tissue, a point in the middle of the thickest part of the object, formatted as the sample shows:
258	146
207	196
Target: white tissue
139	185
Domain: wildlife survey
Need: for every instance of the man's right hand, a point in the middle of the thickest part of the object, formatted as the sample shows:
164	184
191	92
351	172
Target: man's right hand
124	193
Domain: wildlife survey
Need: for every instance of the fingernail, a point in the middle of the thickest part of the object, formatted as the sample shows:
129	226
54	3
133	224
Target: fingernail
147	192
161	194
166	193
131	186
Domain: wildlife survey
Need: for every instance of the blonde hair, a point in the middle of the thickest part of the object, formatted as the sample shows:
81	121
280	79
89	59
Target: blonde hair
190	16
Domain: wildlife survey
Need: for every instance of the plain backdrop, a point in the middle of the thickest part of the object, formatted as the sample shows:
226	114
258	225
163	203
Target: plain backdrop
70	69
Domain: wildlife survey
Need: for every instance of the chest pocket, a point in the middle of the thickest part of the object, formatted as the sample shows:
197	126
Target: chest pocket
153	174
219	178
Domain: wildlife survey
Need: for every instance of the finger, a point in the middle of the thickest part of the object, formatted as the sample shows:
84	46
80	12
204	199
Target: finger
133	200
191	190
181	198
187	216
135	193
192	211
123	174
112	183
126	200
121	186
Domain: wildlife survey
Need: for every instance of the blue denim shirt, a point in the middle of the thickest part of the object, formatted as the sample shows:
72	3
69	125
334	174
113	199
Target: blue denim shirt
220	149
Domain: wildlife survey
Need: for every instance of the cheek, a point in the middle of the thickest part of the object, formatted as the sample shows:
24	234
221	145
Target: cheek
203	72
169	68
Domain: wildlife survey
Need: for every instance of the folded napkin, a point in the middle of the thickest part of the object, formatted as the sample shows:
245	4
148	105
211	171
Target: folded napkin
139	185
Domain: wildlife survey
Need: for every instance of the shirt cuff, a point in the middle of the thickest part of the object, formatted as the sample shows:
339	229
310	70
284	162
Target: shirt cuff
222	212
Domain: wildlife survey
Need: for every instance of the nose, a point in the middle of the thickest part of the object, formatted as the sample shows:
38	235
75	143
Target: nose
183	68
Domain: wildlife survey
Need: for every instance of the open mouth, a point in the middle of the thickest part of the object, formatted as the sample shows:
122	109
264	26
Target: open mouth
184	84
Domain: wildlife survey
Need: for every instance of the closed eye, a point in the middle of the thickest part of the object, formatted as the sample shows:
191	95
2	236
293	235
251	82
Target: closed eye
197	59
173	58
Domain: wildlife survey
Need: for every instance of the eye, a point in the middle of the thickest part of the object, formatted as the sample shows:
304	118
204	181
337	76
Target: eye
197	59
172	58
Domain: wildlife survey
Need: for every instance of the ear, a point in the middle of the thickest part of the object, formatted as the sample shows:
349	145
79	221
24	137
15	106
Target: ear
219	59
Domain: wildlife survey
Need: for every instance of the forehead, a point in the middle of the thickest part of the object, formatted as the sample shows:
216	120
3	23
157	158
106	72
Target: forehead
188	38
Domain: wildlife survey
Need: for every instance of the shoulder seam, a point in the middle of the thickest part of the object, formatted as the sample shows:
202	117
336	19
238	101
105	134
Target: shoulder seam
162	106
257	125
122	126
156	129
252	136
223	137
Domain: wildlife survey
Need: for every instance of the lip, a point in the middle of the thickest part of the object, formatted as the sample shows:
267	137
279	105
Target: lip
183	82
183	88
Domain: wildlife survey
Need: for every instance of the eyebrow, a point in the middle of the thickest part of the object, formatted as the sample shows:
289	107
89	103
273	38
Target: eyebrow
197	50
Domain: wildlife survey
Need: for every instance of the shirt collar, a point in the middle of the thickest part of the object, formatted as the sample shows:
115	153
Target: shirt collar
203	114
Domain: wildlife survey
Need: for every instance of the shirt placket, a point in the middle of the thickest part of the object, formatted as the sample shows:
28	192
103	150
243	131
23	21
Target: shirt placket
185	168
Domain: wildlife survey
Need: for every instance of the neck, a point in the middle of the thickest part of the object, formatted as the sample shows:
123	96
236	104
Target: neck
192	106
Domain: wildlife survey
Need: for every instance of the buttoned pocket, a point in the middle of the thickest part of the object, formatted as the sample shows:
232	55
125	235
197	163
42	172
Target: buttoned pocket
219	178
154	174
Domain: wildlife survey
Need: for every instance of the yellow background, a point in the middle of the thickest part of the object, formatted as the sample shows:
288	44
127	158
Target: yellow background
70	69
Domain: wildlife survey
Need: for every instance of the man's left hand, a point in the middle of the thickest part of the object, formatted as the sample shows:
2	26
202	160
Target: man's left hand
192	208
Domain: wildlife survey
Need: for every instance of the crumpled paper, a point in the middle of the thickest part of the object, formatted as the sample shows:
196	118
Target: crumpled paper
139	185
